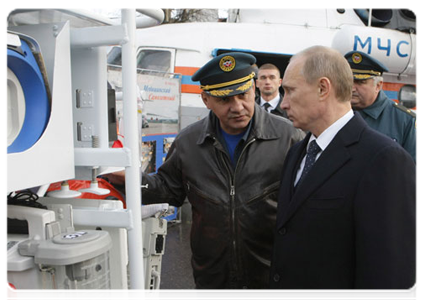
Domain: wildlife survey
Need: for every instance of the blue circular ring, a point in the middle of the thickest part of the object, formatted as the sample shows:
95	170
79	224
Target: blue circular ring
37	104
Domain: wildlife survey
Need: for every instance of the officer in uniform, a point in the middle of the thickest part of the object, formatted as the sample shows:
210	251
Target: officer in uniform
229	167
380	112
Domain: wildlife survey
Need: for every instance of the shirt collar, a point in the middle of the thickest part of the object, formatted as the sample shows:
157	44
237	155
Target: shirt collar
219	131
328	135
273	103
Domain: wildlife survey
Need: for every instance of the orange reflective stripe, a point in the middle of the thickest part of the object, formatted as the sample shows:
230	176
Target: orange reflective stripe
189	88
186	70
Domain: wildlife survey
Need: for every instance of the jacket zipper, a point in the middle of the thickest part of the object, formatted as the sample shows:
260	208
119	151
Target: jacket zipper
232	194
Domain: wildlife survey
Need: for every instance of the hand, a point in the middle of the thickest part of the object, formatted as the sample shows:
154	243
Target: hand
117	178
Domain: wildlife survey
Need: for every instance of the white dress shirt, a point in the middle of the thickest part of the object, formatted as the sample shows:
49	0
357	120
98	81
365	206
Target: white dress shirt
325	138
273	103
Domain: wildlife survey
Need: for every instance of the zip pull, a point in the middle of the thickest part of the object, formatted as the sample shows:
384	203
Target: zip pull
232	191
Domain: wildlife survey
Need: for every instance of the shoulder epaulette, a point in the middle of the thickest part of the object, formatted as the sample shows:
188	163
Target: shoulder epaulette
405	109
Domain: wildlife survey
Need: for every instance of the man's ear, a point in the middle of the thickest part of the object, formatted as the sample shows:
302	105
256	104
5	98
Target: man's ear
379	86
205	99
324	87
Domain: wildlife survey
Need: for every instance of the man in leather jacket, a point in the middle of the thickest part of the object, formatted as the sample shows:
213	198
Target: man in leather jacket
228	165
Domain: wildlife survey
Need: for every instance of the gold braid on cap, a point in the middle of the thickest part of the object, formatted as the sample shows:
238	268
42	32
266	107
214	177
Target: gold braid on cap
223	84
220	93
369	72
362	76
245	87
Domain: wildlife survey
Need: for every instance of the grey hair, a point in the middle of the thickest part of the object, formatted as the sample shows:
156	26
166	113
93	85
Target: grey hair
377	79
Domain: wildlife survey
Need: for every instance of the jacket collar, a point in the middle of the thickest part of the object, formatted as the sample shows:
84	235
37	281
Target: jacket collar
278	107
377	107
335	156
263	126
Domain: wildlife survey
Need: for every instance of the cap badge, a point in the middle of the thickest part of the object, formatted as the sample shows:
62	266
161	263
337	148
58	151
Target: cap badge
227	63
357	58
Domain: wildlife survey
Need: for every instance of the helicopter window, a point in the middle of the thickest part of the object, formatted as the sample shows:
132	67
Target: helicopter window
158	60
114	57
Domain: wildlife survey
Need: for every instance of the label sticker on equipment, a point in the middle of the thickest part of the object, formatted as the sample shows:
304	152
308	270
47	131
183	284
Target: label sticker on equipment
74	235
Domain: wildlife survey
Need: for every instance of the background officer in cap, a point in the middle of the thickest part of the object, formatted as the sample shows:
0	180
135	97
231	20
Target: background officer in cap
380	112
228	165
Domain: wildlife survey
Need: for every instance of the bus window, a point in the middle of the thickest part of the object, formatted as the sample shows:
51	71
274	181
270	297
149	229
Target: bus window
158	60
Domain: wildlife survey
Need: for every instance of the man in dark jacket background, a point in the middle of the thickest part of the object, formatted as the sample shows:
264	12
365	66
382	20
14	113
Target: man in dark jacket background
228	165
268	82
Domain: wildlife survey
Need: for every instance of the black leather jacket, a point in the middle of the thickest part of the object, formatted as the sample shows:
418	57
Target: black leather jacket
233	211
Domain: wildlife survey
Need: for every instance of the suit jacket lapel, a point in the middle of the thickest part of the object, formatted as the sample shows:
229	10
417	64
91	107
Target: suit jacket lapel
287	189
333	158
299	155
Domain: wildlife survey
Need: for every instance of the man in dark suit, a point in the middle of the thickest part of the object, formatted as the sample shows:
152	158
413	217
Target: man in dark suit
268	82
346	211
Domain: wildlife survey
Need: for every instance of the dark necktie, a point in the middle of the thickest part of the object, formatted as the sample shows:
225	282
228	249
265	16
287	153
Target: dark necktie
266	106
312	151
